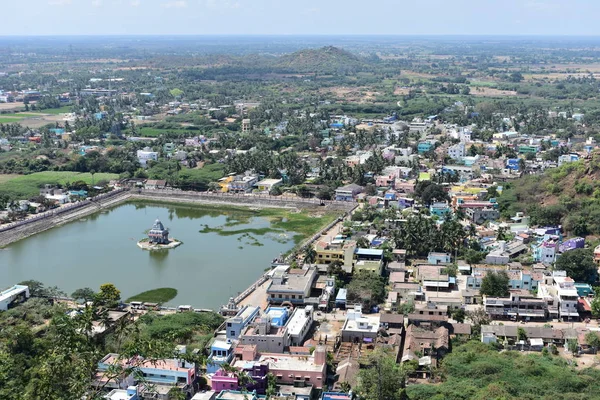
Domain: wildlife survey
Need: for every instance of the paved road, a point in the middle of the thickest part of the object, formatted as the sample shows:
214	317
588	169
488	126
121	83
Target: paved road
258	297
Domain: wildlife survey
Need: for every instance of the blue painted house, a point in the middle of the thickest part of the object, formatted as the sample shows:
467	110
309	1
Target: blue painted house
439	209
438	258
279	316
221	352
512	164
235	325
424	147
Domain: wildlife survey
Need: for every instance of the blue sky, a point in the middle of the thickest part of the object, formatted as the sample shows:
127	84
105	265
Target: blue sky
390	17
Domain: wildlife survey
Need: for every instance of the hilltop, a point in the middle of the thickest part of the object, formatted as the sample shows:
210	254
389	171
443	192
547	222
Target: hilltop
568	195
327	59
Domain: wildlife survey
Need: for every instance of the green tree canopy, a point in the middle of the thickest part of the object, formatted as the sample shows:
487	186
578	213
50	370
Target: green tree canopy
383	379
366	288
579	265
84	294
495	284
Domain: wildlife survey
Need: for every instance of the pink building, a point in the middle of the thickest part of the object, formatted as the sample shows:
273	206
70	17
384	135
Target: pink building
404	186
383	180
222	380
287	368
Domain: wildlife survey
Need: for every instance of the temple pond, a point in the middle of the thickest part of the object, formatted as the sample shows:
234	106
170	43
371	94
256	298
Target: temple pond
210	266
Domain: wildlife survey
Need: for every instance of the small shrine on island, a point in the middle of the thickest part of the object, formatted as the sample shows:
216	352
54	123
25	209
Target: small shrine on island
158	234
158	238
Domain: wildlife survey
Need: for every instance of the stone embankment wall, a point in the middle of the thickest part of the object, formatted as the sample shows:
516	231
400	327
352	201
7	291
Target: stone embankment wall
19	230
22	229
241	199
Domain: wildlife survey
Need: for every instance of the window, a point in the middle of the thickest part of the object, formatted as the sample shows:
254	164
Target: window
280	296
293	296
231	333
229	324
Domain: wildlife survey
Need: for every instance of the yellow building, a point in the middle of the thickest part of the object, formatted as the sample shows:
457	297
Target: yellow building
224	182
336	250
369	265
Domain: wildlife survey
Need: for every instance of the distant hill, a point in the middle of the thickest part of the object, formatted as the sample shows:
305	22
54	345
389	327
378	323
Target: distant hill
568	195
324	60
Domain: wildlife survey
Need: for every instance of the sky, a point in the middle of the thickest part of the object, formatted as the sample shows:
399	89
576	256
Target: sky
300	17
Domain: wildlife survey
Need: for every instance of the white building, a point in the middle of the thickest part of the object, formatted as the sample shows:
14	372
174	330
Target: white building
567	158
58	198
8	296
299	325
146	155
457	151
359	327
567	295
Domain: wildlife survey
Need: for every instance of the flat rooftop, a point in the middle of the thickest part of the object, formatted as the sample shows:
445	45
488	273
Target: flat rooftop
372	324
247	312
118	394
298	321
290	363
12	291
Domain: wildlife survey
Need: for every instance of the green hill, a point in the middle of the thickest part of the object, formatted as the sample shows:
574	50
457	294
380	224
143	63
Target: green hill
324	60
568	195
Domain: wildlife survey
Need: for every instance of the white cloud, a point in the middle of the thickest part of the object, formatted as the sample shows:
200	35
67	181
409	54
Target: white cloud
96	3
135	3
60	2
175	4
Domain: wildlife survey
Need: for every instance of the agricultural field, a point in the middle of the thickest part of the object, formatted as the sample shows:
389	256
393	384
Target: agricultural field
26	186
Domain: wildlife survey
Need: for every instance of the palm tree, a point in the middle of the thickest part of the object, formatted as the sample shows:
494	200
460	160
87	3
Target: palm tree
310	255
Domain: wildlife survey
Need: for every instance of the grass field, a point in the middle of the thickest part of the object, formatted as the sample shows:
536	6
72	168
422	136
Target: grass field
160	295
26	186
16	117
7	177
147	131
304	223
55	111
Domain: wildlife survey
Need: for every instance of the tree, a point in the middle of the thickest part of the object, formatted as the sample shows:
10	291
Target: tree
593	340
406	307
384	379
495	284
521	334
108	296
430	192
478	317
276	191
85	294
573	346
474	256
366	288
175	393
310	255
579	265
501	234
596	307
36	288
271	385
459	315
214	187
363	243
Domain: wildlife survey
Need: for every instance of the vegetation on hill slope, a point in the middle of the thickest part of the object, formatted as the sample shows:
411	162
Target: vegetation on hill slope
477	371
568	195
327	59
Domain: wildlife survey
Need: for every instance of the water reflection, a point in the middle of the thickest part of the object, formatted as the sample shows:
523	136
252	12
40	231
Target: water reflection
103	249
